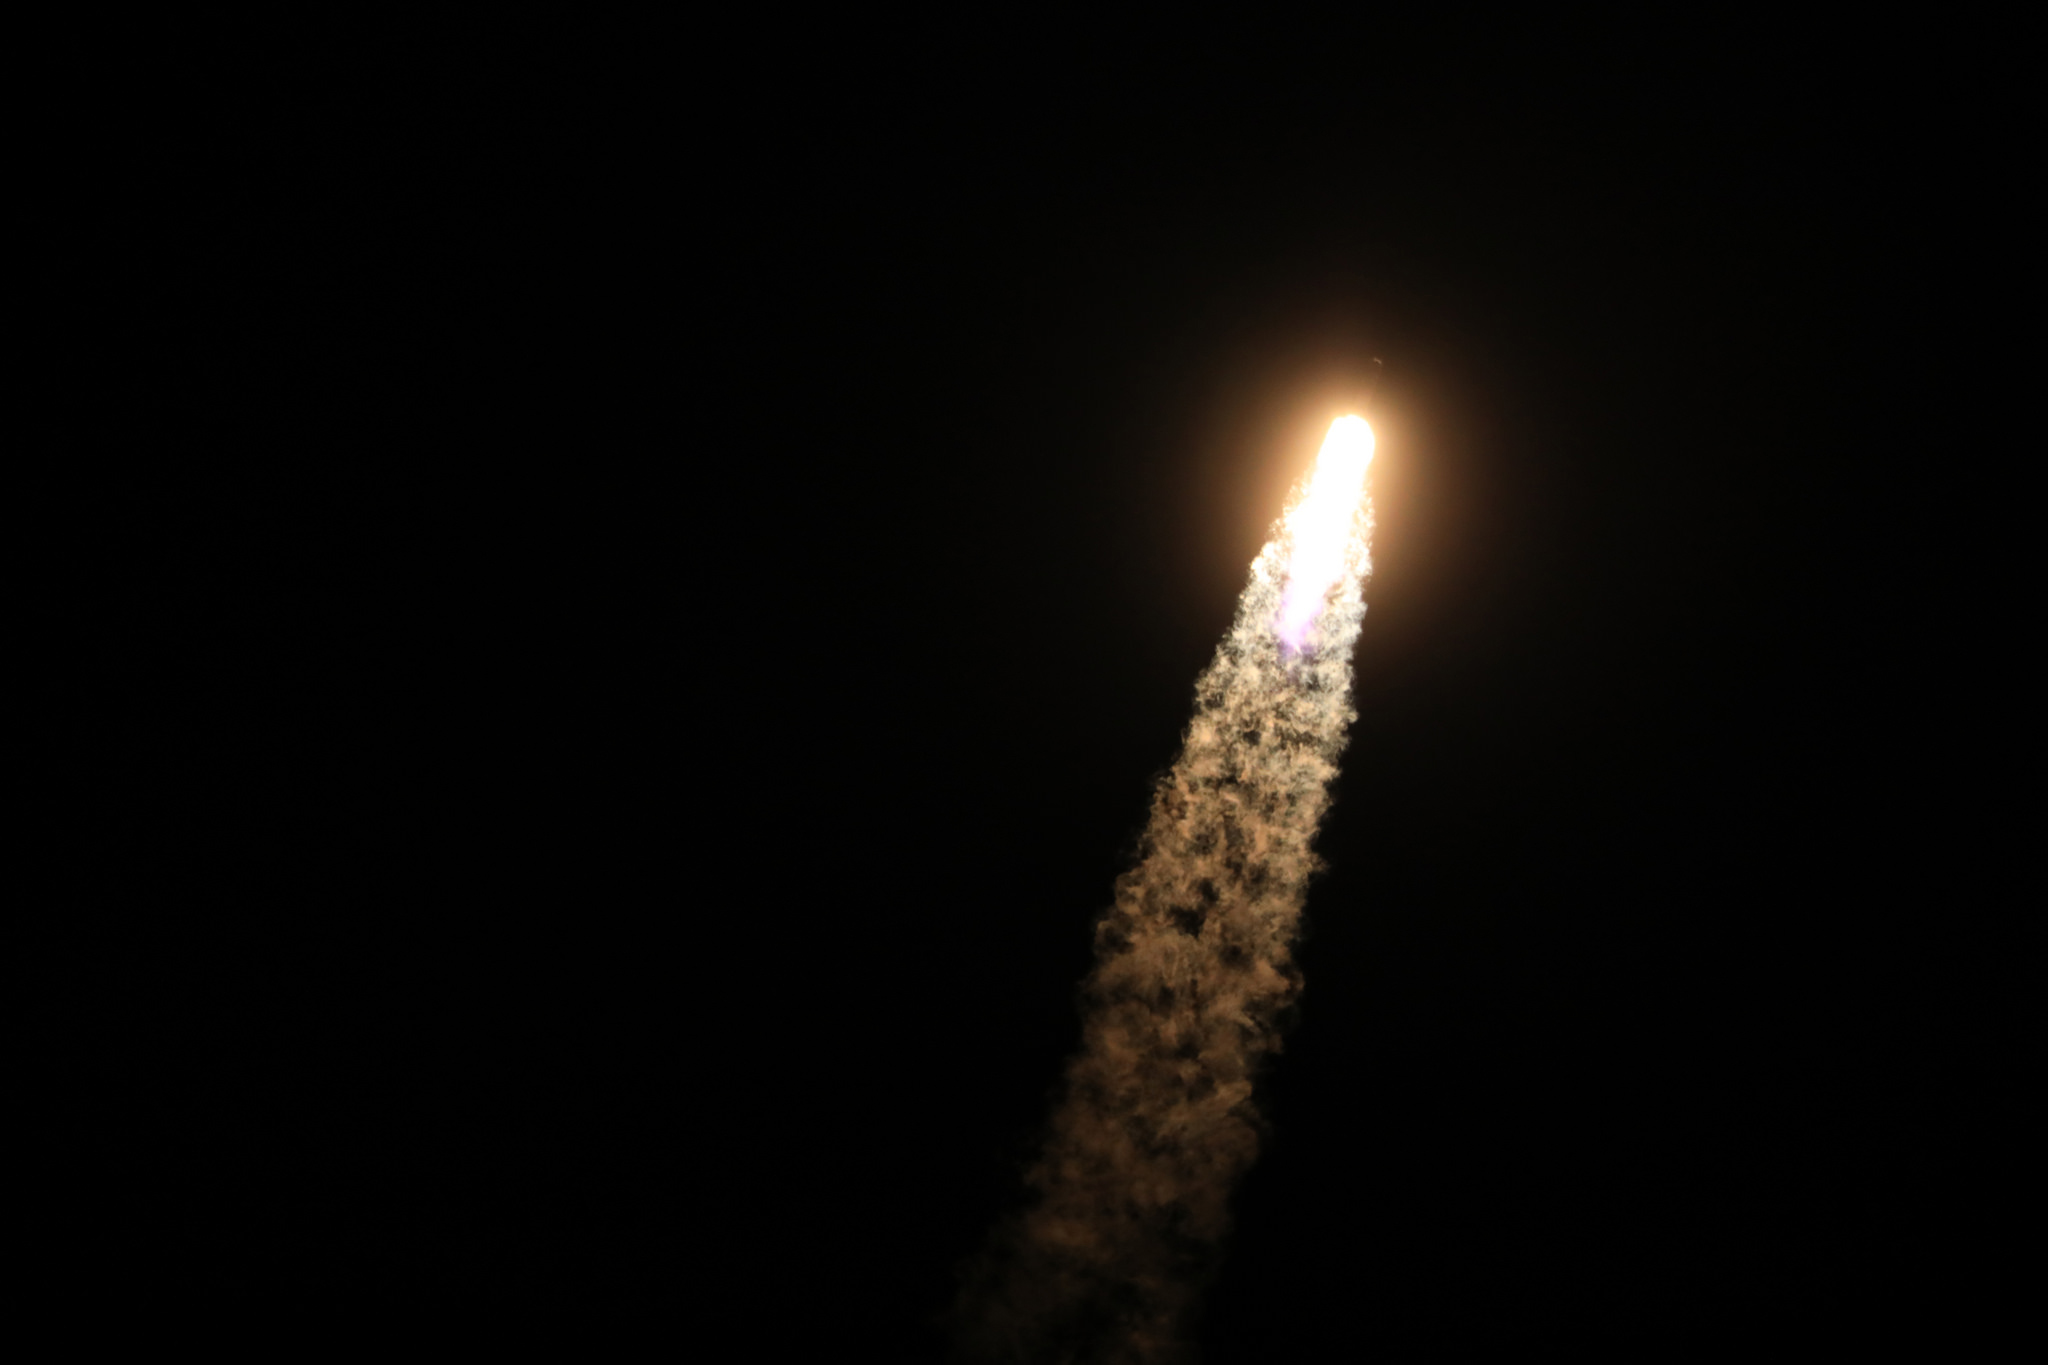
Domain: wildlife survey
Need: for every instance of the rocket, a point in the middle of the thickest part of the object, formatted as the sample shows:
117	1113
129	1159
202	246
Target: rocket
1372	387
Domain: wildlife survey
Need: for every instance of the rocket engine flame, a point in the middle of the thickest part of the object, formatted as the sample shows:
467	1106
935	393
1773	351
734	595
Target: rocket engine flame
1193	969
1318	528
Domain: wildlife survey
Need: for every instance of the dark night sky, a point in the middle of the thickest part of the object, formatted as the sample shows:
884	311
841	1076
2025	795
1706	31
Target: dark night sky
640	581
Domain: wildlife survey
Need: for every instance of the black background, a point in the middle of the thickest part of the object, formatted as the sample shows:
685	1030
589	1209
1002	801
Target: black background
635	584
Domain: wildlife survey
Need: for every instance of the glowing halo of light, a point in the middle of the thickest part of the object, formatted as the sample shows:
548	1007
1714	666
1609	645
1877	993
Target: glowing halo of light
1318	528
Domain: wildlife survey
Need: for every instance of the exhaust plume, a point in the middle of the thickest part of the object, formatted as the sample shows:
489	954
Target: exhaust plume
1155	1120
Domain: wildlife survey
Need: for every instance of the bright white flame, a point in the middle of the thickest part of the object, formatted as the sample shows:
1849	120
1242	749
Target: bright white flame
1319	526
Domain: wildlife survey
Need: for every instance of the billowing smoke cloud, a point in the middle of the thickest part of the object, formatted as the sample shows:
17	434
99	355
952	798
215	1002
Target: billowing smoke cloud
1155	1123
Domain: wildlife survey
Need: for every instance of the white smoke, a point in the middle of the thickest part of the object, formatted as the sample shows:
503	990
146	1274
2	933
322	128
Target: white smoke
1193	972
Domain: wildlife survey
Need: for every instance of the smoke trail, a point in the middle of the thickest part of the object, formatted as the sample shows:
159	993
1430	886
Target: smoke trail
1193	969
